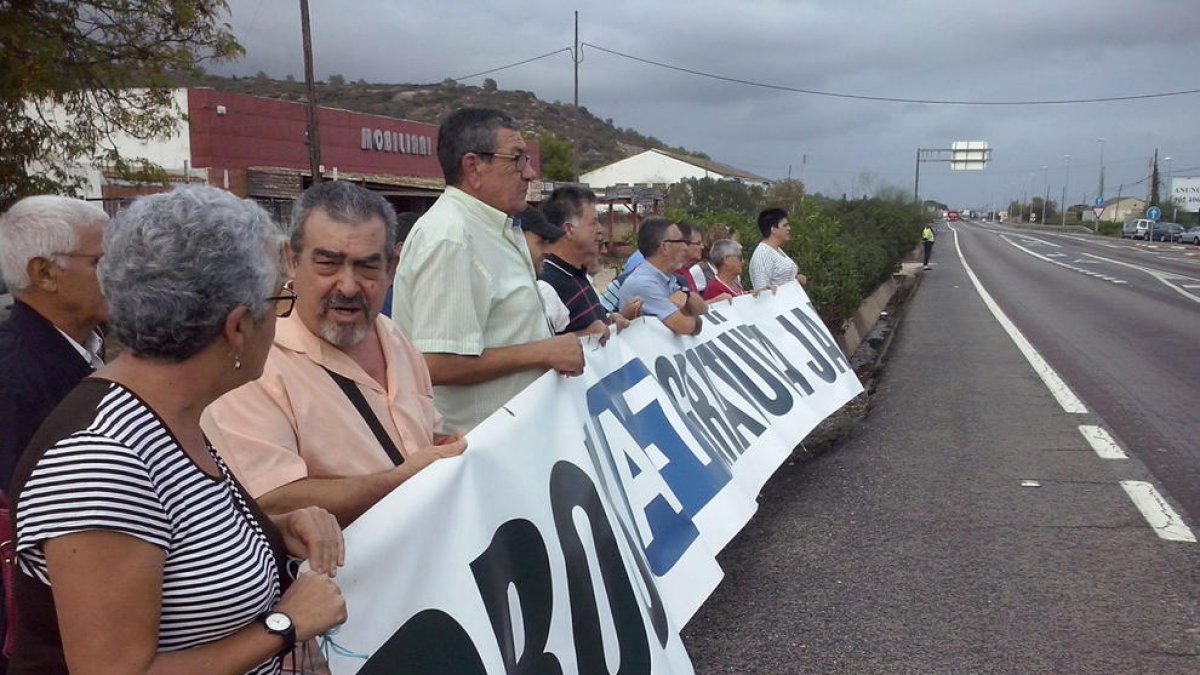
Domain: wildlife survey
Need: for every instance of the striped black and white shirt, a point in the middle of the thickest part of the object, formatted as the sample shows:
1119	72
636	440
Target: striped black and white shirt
109	463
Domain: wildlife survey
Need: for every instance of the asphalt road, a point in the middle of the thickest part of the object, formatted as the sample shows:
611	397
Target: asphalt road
968	525
1120	321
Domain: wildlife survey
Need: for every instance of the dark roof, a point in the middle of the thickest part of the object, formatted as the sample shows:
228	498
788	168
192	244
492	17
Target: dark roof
715	167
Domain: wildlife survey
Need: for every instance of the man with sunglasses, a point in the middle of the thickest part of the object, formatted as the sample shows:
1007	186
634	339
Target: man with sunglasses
466	290
343	413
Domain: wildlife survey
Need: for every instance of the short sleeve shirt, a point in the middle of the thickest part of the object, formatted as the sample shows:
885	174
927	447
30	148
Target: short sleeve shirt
575	290
115	466
295	422
466	283
654	287
770	267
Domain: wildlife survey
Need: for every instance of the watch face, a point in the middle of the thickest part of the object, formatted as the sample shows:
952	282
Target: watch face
278	622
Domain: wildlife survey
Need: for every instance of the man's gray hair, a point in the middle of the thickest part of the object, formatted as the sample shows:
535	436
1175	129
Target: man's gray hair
177	263
345	203
722	249
469	130
40	227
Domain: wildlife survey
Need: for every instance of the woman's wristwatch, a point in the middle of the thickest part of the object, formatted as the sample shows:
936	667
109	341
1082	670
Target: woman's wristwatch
278	623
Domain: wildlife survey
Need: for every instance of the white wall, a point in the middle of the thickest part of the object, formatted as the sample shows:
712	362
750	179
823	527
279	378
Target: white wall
646	167
168	152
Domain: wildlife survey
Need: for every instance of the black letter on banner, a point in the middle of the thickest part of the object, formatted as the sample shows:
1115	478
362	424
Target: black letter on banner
703	414
818	364
571	488
652	600
517	555
780	401
733	416
822	336
430	643
715	362
750	333
714	317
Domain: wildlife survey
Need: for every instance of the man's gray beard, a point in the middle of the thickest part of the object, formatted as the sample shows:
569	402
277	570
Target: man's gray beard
343	335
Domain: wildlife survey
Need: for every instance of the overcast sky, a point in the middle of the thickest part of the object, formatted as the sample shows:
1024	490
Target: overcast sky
977	50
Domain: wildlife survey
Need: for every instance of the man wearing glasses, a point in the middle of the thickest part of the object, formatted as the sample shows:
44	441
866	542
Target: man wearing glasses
655	283
343	413
466	290
49	249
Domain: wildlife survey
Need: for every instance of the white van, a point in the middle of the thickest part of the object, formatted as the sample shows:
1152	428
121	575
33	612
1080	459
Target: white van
1139	228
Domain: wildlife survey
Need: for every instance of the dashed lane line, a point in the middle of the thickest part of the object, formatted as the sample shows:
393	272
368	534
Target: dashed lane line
1058	388
1102	442
1162	518
1161	277
1049	258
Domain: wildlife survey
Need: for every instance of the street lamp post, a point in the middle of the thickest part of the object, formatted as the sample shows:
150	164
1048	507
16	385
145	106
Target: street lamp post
1171	197
1063	206
1046	180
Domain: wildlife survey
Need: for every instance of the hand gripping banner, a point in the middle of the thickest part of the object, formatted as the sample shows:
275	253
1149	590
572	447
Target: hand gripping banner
579	531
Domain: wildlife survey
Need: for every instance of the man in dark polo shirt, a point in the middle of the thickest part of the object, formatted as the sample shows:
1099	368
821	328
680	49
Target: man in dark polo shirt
573	209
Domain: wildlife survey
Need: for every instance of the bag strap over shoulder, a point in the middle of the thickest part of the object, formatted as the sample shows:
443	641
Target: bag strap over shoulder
350	389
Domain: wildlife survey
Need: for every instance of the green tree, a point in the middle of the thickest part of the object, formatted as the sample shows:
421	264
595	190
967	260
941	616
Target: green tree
558	158
489	85
336	81
75	72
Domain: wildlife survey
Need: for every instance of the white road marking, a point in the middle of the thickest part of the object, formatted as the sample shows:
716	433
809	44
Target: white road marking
1162	277
1163	519
1190	285
1102	442
1058	388
1048	258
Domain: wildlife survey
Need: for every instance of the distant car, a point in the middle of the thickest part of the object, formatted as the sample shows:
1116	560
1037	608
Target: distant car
952	216
1166	232
1139	228
1192	236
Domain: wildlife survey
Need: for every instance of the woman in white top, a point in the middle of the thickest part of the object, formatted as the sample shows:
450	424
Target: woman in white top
769	265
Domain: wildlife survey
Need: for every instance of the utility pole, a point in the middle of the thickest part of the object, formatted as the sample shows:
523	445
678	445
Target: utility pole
1046	178
575	113
1100	191
314	139
1063	207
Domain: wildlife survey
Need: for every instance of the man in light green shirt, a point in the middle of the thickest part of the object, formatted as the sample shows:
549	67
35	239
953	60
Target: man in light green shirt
465	291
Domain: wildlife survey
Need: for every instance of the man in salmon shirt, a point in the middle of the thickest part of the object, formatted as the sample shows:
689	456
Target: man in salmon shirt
343	413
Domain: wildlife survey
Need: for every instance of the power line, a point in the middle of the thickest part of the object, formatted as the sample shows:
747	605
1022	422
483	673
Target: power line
886	99
513	65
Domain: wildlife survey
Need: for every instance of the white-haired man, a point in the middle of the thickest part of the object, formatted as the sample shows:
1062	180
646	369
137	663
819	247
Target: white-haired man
49	249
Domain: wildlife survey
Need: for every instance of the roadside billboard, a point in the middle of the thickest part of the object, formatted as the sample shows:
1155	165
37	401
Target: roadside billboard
1185	194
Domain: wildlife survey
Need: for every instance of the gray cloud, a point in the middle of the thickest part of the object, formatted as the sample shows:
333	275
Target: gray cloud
943	49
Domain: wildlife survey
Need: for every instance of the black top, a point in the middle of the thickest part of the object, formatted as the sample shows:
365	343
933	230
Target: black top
38	368
575	290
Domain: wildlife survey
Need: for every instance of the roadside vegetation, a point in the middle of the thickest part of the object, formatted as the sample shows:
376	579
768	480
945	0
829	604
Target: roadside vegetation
847	248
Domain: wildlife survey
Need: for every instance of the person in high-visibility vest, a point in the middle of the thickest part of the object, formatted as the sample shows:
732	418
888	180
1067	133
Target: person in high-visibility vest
927	242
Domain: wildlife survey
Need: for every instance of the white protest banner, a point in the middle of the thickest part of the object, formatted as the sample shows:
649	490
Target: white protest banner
579	532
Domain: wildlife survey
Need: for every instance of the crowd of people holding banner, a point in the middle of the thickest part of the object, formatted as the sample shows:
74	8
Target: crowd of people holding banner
263	399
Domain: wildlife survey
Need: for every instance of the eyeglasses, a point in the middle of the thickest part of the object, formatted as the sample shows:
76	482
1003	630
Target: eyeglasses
675	241
522	160
284	303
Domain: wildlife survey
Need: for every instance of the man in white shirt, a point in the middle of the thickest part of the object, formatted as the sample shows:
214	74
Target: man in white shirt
769	265
466	292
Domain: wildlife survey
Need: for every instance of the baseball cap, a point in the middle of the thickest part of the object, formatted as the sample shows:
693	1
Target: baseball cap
532	220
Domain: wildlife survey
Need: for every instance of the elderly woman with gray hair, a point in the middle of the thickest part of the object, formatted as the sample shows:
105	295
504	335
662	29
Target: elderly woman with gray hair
726	257
137	550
